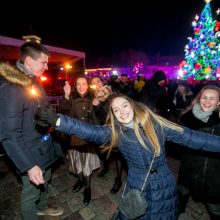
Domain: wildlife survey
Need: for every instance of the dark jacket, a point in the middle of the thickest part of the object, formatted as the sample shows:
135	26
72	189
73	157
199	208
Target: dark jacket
199	171
80	108
151	90
22	139
160	190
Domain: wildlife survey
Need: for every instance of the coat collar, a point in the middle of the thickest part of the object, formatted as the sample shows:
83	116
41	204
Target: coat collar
14	76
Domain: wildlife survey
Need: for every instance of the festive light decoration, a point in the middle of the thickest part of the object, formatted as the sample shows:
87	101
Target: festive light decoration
203	51
138	67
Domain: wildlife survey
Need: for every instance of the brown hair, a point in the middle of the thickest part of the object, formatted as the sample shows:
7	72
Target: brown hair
32	49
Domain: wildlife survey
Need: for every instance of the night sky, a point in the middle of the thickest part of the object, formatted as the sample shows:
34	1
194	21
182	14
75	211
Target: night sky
107	28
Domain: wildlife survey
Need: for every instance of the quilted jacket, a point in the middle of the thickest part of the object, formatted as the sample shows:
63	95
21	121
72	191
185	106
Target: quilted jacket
160	189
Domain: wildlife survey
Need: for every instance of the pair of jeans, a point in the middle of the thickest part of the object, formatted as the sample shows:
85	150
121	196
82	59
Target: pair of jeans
33	197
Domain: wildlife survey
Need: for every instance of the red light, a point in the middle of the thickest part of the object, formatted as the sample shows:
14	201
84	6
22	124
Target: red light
43	78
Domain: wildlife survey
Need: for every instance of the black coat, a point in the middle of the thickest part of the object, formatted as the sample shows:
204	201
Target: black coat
152	91
199	171
23	140
80	108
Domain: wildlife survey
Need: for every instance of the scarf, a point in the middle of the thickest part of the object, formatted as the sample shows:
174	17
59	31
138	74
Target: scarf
24	69
200	114
130	125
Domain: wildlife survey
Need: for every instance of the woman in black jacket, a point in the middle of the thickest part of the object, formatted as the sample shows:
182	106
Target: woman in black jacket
82	161
199	171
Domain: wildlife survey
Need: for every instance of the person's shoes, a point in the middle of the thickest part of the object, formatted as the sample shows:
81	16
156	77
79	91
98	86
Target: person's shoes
87	196
116	186
51	211
77	186
103	172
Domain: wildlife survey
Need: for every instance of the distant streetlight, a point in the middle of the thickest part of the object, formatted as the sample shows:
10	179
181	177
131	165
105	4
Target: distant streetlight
67	67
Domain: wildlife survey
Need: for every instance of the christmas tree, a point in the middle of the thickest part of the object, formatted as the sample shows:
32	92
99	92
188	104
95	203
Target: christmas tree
203	51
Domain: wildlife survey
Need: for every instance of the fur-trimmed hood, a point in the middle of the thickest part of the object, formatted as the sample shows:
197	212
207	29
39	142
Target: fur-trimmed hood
14	76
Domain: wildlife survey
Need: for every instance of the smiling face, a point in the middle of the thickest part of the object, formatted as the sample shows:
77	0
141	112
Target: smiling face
122	110
82	86
97	82
209	100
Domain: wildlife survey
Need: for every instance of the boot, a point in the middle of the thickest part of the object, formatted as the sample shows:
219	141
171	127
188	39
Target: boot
105	165
77	186
87	196
116	186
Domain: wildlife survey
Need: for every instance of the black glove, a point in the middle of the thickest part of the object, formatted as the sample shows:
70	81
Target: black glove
48	116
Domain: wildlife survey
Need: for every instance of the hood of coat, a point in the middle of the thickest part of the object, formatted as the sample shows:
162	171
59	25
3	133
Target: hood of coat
158	76
13	75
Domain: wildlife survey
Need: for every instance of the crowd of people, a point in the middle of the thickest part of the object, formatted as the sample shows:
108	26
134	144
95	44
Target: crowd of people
126	120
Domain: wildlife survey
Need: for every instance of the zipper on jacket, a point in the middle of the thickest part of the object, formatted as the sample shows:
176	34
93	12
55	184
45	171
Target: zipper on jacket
203	175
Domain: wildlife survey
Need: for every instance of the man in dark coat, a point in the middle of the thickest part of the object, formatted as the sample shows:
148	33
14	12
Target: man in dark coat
28	145
154	88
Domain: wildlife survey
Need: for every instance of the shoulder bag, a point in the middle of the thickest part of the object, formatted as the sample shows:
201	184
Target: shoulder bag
133	204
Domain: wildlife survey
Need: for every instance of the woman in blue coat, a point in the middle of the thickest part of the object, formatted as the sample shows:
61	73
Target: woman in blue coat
139	134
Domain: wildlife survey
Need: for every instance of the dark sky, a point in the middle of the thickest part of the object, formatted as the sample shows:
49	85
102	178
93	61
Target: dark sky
107	28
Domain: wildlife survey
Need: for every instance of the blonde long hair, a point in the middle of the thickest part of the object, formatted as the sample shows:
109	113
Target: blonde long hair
146	118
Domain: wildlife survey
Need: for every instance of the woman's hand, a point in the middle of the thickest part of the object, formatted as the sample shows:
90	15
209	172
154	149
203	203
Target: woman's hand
95	102
67	90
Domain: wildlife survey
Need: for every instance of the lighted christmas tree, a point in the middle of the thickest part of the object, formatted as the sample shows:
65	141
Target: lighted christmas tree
203	51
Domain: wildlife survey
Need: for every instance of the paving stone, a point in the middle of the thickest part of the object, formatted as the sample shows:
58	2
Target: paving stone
75	204
73	216
99	217
59	188
114	197
11	186
67	211
65	196
197	211
102	206
94	193
87	213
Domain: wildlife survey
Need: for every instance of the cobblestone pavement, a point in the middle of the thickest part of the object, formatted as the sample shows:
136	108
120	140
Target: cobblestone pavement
102	206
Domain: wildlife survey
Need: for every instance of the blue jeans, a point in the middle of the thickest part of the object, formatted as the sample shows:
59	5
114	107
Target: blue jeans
33	197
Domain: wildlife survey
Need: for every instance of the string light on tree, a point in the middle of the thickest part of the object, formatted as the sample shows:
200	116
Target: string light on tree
203	50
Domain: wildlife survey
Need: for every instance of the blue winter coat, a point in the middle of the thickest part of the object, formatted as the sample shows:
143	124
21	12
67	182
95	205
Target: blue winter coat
160	190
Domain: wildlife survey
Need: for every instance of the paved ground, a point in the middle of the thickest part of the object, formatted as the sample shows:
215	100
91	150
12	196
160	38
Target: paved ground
102	206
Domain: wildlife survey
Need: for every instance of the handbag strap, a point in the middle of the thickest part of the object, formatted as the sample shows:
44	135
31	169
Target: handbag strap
145	180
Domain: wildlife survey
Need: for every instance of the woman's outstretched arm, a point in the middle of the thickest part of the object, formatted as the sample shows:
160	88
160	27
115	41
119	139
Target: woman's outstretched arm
94	133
